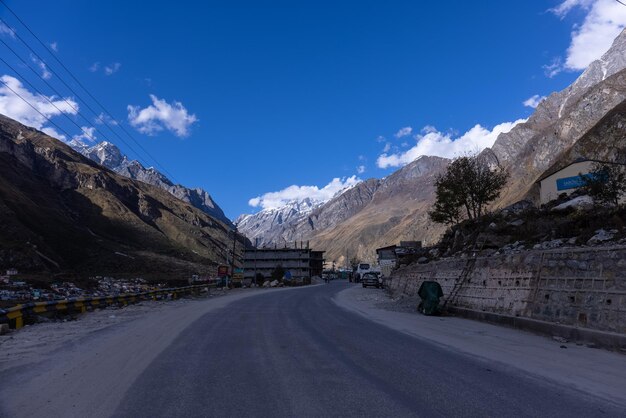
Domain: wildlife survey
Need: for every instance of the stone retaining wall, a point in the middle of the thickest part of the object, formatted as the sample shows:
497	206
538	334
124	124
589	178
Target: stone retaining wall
583	287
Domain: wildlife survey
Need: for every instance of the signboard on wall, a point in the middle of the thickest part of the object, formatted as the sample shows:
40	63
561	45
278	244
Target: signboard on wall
222	271
568	183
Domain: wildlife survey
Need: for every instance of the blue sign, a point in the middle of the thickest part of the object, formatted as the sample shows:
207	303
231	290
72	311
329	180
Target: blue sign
571	182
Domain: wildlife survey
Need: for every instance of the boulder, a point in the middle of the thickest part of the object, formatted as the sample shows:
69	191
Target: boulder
580	202
266	283
547	245
274	283
601	236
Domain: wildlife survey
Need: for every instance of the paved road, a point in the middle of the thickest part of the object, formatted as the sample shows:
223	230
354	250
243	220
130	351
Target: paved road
297	354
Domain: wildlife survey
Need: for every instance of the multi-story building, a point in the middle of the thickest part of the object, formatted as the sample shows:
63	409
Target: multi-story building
301	263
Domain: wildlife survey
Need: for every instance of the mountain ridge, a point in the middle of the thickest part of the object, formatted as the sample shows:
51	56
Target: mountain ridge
65	214
560	127
109	155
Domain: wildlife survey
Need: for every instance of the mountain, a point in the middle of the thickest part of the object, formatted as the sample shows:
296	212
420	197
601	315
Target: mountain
560	122
64	214
273	225
355	222
110	156
586	119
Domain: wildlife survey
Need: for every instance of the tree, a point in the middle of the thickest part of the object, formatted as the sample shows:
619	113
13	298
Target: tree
278	273
605	183
469	184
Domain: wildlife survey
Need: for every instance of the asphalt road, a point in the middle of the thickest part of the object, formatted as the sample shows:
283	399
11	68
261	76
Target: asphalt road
297	354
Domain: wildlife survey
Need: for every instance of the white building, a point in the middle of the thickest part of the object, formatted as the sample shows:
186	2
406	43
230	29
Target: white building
565	180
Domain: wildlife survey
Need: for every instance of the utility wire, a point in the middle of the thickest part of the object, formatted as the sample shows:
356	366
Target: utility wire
66	85
85	89
47	98
34	108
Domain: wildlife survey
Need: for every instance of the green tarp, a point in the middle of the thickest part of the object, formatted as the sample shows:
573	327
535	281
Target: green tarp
431	293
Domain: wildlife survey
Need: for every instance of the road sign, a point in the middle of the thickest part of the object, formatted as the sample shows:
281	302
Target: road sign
222	271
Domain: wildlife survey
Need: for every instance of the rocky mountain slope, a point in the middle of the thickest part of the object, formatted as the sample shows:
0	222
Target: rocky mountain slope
64	214
560	121
273	225
585	120
110	156
354	223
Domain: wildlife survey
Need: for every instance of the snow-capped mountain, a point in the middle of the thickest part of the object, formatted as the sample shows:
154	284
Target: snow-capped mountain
273	225
110	156
585	120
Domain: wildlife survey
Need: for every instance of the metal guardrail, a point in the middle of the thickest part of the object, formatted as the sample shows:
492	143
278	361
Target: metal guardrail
15	316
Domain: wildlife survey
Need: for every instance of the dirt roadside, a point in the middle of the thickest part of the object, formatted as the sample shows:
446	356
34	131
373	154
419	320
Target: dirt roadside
596	372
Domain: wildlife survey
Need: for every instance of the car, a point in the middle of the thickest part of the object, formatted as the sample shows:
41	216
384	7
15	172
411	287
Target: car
361	269
371	279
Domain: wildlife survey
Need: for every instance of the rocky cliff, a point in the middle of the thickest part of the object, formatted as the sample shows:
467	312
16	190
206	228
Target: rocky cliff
587	119
560	121
110	156
354	223
63	213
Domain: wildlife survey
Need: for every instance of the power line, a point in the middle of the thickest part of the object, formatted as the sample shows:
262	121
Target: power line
34	108
622	3
46	97
87	91
62	80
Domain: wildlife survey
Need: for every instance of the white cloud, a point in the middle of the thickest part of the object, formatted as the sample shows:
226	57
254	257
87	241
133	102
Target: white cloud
104	118
406	131
554	68
428	129
387	147
445	145
112	69
566	6
360	169
88	134
94	67
45	74
533	101
54	46
161	115
299	193
15	108
50	131
6	30
604	20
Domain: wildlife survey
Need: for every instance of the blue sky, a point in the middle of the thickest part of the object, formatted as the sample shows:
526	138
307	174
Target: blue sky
245	98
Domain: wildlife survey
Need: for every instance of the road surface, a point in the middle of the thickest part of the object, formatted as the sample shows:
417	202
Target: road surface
297	354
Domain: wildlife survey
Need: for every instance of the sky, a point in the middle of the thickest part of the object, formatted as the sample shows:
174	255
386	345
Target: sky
261	102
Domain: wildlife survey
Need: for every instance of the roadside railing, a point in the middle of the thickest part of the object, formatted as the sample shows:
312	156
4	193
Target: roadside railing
16	315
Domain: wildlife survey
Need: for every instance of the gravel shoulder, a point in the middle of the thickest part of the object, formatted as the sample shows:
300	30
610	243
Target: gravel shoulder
592	371
86	366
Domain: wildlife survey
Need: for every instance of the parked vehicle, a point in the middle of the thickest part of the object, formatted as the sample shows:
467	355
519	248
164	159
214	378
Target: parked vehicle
361	269
372	279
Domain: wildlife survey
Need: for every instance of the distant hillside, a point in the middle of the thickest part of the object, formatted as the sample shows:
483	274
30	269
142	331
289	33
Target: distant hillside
62	213
110	156
362	218
587	119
